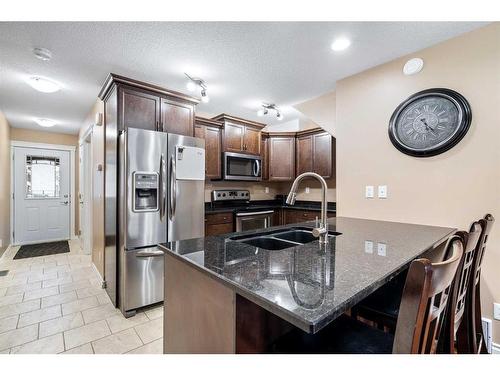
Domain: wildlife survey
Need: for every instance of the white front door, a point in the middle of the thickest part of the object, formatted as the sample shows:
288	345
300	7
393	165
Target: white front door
41	195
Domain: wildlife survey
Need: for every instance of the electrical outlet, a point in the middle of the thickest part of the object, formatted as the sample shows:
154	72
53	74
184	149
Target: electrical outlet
382	249
496	311
369	247
308	190
382	191
266	189
369	191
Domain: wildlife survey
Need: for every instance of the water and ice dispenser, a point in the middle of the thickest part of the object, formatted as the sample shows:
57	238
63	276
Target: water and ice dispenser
146	192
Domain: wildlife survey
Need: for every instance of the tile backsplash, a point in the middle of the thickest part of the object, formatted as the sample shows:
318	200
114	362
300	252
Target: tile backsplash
258	189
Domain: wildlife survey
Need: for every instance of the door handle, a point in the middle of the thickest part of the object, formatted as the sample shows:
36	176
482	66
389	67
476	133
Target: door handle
163	198
149	253
173	187
65	203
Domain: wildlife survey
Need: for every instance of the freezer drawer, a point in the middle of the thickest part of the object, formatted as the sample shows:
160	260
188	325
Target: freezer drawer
143	284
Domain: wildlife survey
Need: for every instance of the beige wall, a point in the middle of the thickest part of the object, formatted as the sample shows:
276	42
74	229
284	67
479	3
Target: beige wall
97	139
451	189
28	135
321	110
4	183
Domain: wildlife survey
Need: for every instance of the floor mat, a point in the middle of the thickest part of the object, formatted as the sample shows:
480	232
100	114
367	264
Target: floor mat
41	249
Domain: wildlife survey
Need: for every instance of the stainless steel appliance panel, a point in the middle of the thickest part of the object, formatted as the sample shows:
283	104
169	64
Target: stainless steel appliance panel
143	277
242	167
111	241
145	156
254	220
186	203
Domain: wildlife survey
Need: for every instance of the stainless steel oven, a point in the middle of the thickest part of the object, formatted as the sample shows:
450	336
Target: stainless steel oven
242	167
254	220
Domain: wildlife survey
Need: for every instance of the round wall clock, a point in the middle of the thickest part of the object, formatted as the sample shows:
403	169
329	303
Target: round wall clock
430	122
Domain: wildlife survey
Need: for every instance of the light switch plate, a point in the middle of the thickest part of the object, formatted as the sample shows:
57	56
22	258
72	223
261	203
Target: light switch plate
382	249
496	311
308	190
369	191
266	190
369	247
382	191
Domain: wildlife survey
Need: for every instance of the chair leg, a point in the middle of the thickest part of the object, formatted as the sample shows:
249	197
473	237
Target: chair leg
480	338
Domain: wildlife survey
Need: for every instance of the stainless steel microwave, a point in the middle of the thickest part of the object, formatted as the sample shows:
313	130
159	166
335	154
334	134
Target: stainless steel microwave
242	167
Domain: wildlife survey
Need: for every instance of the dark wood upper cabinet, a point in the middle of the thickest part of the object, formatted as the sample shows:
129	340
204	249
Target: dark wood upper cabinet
315	152
264	154
233	138
138	109
304	154
281	158
210	131
147	106
240	135
323	154
177	117
251	140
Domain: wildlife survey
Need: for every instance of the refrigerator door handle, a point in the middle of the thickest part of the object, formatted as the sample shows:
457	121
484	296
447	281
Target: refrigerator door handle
163	190
173	187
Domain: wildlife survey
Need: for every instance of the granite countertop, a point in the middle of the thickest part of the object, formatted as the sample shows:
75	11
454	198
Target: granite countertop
268	204
311	285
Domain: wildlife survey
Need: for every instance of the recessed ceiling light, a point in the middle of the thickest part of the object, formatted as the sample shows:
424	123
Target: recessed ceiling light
43	84
340	44
45	122
413	66
42	53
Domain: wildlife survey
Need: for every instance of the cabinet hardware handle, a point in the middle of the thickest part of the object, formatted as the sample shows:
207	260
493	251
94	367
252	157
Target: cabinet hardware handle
157	126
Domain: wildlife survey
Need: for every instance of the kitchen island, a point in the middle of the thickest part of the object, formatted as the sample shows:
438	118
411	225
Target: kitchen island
236	294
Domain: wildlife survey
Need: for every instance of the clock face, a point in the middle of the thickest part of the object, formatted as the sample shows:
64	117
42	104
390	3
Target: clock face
430	122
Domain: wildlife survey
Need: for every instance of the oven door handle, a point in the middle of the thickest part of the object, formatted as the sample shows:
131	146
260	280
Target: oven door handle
255	213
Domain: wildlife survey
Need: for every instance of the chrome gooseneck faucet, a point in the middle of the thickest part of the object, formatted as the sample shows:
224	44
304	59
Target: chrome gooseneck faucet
321	230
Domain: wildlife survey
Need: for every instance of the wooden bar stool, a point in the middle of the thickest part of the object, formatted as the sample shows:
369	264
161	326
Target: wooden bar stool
470	336
426	294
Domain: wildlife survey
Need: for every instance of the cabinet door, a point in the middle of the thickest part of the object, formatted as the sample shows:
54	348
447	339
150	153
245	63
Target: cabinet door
251	141
304	154
323	154
233	137
212	137
177	117
281	159
138	109
199	131
264	154
213	152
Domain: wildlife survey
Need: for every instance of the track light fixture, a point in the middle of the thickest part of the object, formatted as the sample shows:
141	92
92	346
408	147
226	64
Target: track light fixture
194	84
266	107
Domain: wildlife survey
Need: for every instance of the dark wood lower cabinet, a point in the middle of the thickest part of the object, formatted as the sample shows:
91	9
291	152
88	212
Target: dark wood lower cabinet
219	223
292	216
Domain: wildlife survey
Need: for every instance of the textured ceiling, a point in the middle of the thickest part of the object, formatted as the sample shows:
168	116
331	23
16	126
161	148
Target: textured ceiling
243	63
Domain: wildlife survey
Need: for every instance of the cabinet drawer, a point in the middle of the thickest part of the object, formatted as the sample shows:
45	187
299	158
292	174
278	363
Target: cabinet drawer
220	218
216	229
299	216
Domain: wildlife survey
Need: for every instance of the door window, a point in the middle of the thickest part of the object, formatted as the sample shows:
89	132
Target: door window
42	177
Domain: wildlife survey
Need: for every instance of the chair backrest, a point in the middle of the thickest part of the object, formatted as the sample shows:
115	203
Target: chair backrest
425	297
456	311
486	225
465	269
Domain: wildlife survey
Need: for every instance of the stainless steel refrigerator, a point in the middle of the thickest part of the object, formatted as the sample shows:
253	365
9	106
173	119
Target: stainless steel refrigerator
160	198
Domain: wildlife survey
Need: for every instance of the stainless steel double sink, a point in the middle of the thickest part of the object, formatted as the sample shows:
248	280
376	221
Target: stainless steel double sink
280	239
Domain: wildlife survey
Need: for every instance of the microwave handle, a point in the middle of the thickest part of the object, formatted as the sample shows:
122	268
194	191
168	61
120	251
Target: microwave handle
256	169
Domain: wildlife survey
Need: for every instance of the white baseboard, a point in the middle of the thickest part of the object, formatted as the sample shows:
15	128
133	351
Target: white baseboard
495	348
